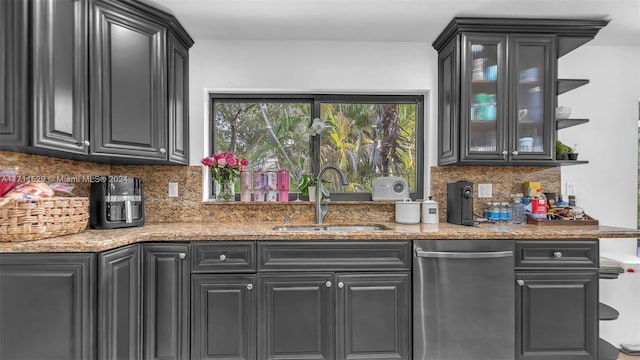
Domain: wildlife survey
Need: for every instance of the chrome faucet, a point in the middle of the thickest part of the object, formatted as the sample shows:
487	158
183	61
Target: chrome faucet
321	211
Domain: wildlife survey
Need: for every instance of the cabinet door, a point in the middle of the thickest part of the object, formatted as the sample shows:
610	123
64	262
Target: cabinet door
13	74
166	301
373	316
556	315
47	306
448	103
59	75
296	316
223	317
178	83
483	98
128	94
532	113
119	316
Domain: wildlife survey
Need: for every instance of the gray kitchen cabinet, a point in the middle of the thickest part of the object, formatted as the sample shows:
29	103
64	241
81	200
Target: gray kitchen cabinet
59	78
128	88
119	304
498	87
223	316
14	97
47	306
166	301
334	300
178	85
556	300
373	316
94	80
296	316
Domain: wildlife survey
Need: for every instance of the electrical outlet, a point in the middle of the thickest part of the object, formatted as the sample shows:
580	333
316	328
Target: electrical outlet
485	190
173	189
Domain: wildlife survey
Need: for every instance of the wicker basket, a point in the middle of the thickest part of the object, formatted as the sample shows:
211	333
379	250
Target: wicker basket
25	220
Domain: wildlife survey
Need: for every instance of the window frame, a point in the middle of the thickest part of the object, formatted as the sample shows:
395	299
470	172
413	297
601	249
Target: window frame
315	101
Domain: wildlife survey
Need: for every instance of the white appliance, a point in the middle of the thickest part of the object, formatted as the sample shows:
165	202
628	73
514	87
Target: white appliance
623	294
390	188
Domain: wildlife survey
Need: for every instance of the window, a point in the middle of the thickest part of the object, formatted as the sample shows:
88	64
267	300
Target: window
368	136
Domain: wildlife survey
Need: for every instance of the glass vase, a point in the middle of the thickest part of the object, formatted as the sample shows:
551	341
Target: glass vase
225	191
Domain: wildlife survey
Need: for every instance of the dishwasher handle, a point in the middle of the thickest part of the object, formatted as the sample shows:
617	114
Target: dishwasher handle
462	254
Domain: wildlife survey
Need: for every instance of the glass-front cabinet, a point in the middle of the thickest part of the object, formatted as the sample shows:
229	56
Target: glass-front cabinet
497	87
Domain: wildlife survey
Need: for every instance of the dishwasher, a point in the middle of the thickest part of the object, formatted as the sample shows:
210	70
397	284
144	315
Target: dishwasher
463	300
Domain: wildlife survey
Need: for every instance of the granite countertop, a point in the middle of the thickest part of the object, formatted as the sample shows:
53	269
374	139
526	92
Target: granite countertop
92	240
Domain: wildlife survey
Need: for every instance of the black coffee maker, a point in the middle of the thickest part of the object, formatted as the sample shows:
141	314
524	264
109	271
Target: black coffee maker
460	203
116	202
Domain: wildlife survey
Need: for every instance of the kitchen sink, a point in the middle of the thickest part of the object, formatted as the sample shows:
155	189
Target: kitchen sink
331	227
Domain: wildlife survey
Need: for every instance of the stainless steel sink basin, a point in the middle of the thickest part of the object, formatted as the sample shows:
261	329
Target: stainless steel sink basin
331	227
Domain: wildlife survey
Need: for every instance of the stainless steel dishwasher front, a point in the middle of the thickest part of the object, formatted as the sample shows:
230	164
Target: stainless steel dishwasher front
463	300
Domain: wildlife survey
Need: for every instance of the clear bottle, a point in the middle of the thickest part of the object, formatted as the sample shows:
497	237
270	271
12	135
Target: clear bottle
505	215
518	211
495	212
487	211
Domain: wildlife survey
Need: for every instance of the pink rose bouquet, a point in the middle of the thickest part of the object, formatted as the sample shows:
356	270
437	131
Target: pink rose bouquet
224	166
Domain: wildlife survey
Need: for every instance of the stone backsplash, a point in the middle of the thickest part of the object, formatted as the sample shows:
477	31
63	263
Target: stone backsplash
188	206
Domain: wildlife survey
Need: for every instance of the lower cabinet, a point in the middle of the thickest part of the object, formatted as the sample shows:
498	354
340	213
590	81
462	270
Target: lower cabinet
373	316
556	300
47	306
119	304
165	301
557	315
334	316
296	316
223	316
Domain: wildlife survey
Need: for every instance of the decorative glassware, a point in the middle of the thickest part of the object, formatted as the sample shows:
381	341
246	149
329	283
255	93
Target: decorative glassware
225	191
259	185
283	185
245	185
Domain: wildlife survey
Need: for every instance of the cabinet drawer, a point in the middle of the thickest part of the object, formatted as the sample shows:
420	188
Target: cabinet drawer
557	254
334	255
223	256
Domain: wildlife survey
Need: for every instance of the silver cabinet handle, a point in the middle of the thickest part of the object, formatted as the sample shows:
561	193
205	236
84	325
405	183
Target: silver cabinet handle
328	283
83	142
223	257
249	286
514	152
557	254
162	150
505	152
521	282
182	255
463	255
340	285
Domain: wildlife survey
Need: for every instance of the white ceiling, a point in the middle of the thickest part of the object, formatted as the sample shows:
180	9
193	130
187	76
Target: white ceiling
377	20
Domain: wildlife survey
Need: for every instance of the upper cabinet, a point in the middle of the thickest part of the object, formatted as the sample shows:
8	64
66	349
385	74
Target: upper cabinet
59	80
497	88
105	82
13	73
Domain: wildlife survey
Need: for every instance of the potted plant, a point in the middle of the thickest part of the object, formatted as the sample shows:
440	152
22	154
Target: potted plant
573	155
307	187
562	151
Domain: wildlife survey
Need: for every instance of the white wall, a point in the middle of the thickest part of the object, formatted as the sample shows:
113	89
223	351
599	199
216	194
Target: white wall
606	187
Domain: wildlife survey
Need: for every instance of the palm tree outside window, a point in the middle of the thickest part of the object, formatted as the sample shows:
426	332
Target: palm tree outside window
368	136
